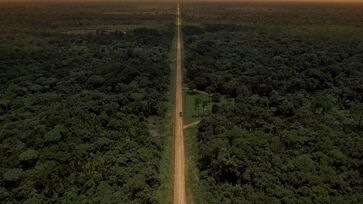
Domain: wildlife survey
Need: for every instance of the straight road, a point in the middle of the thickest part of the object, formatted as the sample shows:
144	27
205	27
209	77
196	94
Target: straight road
179	163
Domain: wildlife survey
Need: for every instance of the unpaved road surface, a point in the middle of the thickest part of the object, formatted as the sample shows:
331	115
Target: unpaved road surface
179	155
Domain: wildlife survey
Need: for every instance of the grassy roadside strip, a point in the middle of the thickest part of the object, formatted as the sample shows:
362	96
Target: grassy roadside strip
165	192
195	190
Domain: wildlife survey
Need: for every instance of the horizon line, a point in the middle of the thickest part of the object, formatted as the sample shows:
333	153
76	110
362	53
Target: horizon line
182	1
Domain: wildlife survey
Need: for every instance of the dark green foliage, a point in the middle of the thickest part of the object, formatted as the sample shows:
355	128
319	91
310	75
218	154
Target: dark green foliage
54	135
28	155
13	174
292	131
74	106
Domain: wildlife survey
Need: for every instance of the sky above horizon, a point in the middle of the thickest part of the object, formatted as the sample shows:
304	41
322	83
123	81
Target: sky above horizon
200	0
312	1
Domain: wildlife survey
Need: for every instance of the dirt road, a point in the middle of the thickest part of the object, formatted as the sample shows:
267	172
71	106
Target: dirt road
179	163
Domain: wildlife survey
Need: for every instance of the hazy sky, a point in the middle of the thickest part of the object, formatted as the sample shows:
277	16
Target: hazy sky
185	0
196	0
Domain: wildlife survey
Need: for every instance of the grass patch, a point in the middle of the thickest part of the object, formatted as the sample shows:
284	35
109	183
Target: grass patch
193	105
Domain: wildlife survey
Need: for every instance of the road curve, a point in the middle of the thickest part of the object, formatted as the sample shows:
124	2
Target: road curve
179	158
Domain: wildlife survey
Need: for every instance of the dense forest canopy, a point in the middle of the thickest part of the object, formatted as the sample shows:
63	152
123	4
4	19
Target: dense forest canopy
80	85
75	98
291	128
